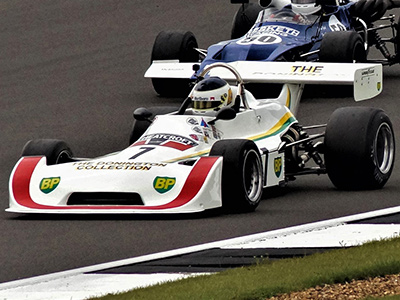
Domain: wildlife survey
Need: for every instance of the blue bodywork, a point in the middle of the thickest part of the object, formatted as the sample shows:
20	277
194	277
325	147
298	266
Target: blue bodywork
282	35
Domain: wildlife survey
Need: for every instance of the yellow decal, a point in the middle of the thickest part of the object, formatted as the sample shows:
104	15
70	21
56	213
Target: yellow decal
48	185
163	184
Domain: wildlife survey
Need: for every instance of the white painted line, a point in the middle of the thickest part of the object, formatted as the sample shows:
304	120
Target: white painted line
78	285
343	235
83	286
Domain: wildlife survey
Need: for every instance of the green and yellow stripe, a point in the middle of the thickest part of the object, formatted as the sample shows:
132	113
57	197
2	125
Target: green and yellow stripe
280	126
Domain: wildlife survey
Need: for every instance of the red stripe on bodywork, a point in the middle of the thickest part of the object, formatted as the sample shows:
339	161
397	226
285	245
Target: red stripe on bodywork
176	145
170	144
138	143
23	173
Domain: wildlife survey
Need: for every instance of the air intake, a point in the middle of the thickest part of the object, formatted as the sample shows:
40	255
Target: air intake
101	198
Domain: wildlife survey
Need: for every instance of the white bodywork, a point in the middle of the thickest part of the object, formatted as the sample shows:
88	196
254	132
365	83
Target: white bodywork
168	169
159	153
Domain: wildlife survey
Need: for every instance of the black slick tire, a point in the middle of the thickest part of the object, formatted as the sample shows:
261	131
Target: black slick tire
342	46
55	151
244	19
359	148
174	45
242	178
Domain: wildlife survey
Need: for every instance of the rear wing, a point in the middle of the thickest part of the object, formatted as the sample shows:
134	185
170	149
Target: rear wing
366	78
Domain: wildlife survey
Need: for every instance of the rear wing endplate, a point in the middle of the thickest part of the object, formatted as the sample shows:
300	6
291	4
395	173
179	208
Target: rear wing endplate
366	78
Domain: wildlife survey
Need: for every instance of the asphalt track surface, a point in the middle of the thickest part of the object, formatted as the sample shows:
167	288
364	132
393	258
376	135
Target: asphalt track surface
73	70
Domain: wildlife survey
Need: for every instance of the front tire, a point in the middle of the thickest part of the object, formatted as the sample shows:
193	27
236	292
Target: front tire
342	46
56	151
242	177
359	148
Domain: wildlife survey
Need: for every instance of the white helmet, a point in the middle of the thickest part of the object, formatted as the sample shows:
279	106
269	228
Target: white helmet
305	7
211	94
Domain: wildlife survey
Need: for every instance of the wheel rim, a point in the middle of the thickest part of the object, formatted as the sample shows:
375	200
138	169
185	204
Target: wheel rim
384	148
252	176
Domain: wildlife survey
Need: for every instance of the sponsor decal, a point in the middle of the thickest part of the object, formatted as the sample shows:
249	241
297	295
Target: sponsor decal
163	184
299	70
208	131
203	123
47	185
111	165
192	121
335	25
167	140
195	137
278	166
367	72
199	98
197	129
274	30
379	85
216	133
307	69
264	39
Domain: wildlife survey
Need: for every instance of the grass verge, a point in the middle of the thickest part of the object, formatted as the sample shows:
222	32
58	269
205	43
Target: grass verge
267	278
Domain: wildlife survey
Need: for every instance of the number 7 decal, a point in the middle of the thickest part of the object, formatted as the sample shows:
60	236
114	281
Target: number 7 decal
144	150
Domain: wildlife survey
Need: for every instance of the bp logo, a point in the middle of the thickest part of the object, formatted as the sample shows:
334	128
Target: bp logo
47	185
278	166
163	184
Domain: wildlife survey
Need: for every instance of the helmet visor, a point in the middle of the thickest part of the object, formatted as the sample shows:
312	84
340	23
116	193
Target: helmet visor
206	104
303	1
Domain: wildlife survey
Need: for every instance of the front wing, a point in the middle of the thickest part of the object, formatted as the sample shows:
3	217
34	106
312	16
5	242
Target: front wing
200	189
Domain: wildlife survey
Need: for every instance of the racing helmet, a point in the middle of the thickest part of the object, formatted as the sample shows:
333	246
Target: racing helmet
305	7
211	94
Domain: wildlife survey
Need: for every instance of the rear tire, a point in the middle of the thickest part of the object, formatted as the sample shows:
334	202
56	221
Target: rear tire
174	45
242	178
244	19
56	151
359	148
370	10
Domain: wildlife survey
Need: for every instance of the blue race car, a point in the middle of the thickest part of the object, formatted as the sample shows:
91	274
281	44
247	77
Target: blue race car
282	31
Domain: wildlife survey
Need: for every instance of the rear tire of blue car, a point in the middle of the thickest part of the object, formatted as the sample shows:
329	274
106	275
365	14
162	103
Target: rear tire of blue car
359	148
370	10
342	47
174	45
244	19
55	151
242	175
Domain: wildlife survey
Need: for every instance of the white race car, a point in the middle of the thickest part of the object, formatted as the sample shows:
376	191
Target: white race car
185	162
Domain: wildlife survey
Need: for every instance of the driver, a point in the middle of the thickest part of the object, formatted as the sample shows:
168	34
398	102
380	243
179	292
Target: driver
292	10
305	7
210	95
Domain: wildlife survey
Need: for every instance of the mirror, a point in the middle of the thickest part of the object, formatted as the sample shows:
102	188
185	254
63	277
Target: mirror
142	114
226	113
